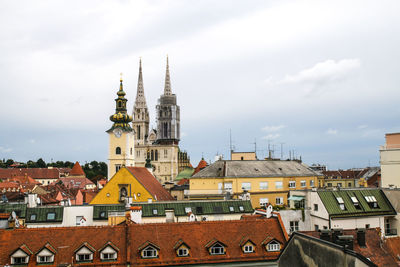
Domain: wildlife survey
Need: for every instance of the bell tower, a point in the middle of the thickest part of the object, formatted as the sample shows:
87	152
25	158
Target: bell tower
121	136
140	112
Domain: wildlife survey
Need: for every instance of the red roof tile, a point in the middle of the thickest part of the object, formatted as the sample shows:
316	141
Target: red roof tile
202	164
76	182
35	173
375	250
150	183
77	170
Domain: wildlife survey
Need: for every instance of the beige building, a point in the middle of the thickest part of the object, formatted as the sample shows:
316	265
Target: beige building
160	145
243	155
390	160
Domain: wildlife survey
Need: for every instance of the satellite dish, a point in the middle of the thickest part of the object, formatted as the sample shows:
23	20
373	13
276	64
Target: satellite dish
269	211
14	216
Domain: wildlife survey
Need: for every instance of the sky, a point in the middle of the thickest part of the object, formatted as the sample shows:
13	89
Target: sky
317	78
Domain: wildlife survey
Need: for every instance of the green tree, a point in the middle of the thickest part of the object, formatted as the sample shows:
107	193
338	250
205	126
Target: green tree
41	163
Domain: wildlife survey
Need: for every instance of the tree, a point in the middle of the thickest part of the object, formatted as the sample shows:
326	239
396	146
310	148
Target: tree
41	163
9	162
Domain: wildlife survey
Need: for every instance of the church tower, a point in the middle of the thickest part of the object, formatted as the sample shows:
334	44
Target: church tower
140	112
121	136
168	115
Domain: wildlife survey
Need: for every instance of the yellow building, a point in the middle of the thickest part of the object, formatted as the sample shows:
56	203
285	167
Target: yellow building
243	155
131	184
261	181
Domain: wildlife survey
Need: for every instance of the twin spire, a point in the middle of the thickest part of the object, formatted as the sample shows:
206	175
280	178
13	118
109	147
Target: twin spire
140	99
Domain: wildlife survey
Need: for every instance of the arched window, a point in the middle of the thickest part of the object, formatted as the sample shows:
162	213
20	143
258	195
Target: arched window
152	155
123	193
156	155
118	150
138	132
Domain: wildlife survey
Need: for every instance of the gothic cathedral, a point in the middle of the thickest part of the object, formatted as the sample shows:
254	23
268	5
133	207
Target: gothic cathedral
158	147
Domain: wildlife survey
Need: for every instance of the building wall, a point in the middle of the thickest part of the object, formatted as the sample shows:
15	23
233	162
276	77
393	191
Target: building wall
126	143
358	222
319	217
208	217
110	192
296	215
71	212
344	183
390	166
243	156
212	186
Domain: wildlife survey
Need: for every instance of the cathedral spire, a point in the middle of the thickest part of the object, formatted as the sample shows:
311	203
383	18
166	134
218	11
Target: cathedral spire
167	88
140	99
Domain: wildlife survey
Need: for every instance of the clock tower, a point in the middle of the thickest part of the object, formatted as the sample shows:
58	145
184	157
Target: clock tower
121	136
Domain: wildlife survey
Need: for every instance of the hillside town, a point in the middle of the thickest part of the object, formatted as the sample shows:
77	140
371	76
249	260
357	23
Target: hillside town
149	206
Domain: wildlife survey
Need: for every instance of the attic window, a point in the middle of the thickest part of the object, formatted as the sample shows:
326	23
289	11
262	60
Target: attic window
183	252
248	248
84	255
102	214
341	203
149	252
241	208
155	211
217	249
231	209
19	257
33	217
51	216
355	202
273	246
371	200
45	256
108	254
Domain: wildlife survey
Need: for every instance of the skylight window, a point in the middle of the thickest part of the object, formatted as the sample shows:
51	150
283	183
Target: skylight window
371	201
355	200
188	209
340	200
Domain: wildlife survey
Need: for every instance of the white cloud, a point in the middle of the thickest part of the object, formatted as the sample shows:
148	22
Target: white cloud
332	131
5	150
273	128
324	72
271	136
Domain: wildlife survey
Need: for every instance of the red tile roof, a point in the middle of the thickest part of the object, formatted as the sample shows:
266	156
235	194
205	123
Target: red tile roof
150	183
35	173
23	179
202	164
375	250
76	182
393	243
77	170
6	185
129	238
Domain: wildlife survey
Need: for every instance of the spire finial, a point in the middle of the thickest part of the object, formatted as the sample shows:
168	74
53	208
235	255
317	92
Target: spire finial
140	99
167	87
120	77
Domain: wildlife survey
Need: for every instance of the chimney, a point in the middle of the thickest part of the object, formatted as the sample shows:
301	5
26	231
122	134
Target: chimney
325	234
136	214
346	241
169	215
336	233
32	200
361	237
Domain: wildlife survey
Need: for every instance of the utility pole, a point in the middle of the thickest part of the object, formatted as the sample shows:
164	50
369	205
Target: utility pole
282	150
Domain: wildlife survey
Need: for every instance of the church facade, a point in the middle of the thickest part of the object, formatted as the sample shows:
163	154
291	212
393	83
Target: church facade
160	145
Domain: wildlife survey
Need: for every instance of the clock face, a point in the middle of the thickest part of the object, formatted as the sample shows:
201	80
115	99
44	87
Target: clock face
118	133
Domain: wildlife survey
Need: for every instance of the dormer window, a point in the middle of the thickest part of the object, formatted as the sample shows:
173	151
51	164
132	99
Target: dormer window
371	200
33	217
248	249
19	257
183	252
45	256
341	203
355	202
150	252
84	253
273	246
51	216
217	249
109	253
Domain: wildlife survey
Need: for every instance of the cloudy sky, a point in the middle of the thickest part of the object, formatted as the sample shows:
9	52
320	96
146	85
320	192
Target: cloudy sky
320	78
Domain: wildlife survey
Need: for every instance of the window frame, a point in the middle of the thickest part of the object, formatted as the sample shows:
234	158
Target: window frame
292	184
303	183
246	248
149	252
182	249
217	249
48	216
278	185
246	186
280	201
273	246
263	185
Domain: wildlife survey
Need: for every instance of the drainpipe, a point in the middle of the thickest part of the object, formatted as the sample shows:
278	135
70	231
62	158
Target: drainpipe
128	246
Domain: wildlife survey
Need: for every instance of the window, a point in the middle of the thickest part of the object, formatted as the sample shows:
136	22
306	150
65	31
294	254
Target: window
263	201
292	184
278	185
155	211
367	226
78	220
371	200
183	252
339	184
131	151
263	185
315	207
18	260
303	183
241	208
316	227
45	259
246	186
102	214
279	201
311	183
273	246
231	209
217	249
118	150
84	254
188	209
149	252
329	184
108	254
117	167
51	216
228	187
248	249
165	153
84	257
33	217
294	226
341	203
349	184
156	155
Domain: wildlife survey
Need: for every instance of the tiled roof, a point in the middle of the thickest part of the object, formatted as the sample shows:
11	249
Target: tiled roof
255	168
20	209
99	209
24	179
374	250
41	214
150	183
393	244
196	207
329	199
202	164
77	170
196	235
35	173
76	182
9	185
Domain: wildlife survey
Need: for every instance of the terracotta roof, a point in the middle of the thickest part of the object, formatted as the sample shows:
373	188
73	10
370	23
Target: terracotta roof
202	164
23	179
35	173
9	185
4	215
76	182
165	237
77	170
375	250
150	183
393	244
